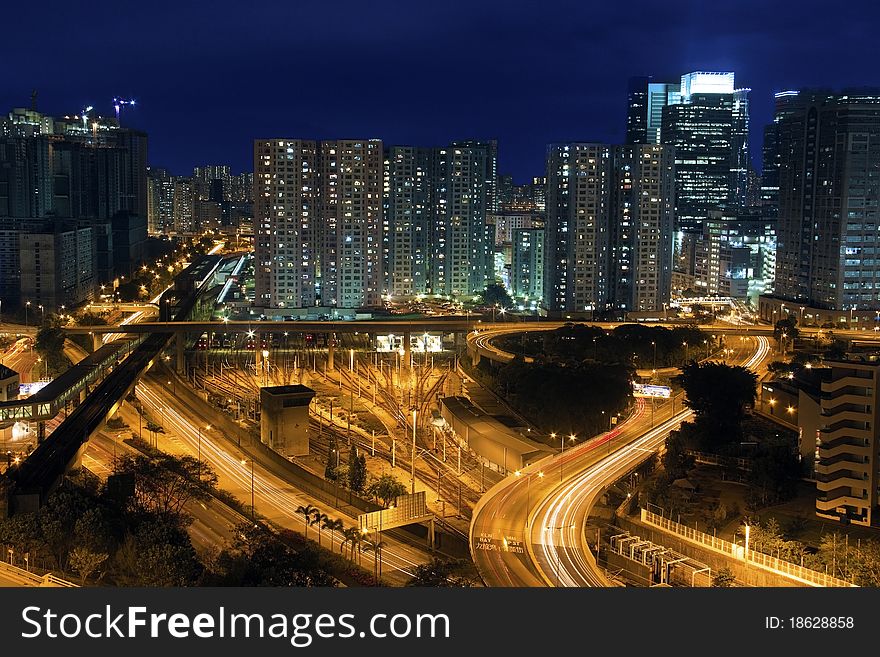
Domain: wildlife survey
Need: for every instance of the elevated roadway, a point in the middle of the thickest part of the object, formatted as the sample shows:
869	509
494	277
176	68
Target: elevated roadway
528	530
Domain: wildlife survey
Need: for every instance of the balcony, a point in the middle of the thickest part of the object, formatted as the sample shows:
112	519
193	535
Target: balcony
857	418
833	405
843	478
844	446
853	381
841	460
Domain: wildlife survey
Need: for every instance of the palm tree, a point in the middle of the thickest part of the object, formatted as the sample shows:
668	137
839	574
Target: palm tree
376	547
307	512
331	526
351	534
317	519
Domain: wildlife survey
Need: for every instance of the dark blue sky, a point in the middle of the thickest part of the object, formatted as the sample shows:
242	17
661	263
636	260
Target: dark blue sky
211	76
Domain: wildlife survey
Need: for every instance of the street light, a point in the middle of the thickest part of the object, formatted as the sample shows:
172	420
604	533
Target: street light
413	464
244	462
529	493
265	367
207	428
26	306
558	558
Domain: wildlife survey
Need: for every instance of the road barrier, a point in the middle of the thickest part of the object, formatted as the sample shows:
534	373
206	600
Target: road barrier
759	559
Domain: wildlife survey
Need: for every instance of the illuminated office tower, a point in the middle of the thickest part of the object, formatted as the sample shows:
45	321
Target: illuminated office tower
707	122
527	265
645	103
829	192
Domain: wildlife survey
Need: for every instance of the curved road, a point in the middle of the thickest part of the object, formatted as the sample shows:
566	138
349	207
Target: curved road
528	530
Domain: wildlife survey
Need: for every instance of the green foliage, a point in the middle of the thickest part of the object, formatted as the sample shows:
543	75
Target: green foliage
629	344
386	489
723	578
564	398
496	294
50	345
786	326
676	461
164	483
158	553
258	557
357	471
440	573
719	395
332	457
85	562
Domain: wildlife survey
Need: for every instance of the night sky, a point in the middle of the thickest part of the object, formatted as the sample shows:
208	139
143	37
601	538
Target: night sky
210	77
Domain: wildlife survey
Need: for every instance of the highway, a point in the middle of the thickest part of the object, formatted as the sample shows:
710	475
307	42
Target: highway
274	498
528	530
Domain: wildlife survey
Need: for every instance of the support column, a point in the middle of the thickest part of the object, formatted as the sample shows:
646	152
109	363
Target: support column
41	431
331	350
407	349
97	342
179	345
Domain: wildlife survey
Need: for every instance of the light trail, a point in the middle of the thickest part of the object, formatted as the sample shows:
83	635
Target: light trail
268	489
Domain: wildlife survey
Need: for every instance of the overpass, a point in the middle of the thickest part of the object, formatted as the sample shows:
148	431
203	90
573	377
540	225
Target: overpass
33	480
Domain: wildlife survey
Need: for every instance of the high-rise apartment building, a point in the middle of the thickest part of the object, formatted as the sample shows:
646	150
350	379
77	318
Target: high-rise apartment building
409	252
576	263
608	233
87	168
829	199
848	449
527	265
318	220
642	217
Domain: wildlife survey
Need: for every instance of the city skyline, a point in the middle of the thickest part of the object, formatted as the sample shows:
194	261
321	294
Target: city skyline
537	93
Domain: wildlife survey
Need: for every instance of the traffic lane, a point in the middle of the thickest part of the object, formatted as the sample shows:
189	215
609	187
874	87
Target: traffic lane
275	498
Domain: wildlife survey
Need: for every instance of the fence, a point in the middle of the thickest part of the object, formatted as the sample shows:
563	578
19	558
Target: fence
27	578
778	566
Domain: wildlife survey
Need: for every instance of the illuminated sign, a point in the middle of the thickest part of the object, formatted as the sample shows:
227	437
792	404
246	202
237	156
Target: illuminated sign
644	390
28	389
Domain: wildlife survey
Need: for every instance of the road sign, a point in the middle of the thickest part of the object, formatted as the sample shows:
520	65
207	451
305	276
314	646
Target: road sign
407	510
644	390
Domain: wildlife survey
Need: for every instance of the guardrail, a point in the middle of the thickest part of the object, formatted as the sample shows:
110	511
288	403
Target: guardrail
778	566
27	578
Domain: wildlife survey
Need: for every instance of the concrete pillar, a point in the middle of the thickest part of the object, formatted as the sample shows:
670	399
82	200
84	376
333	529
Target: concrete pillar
97	341
331	350
180	359
407	349
41	431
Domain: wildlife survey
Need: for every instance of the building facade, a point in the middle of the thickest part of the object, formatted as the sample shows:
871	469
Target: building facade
829	192
847	451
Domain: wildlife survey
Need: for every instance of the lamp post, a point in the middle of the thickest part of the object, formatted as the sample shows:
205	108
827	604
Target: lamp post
654	369
528	493
685	345
558	558
266	367
26	306
207	428
244	462
413	464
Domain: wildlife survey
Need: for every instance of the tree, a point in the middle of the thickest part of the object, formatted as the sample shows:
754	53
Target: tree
84	562
50	345
307	512
166	483
786	326
332	458
496	294
386	489
158	553
318	518
439	573
719	395
357	471
351	537
723	578
332	525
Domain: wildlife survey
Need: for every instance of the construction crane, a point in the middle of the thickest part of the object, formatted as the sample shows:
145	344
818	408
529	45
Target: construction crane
119	102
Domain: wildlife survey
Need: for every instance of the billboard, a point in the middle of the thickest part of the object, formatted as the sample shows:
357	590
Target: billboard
407	510
647	390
